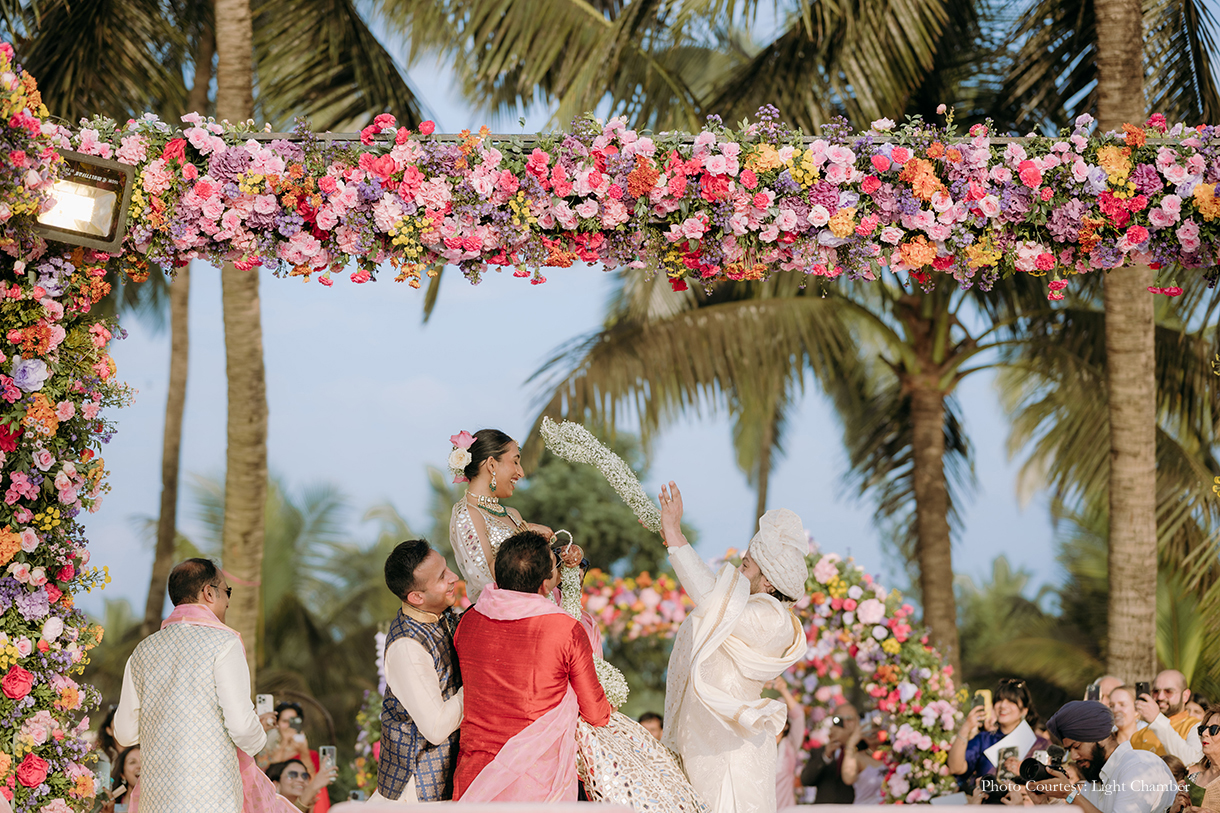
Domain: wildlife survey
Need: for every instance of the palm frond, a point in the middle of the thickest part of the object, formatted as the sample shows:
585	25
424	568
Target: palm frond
320	60
119	58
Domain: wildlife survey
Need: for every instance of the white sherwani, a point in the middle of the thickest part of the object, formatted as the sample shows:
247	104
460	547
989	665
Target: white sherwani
715	717
186	700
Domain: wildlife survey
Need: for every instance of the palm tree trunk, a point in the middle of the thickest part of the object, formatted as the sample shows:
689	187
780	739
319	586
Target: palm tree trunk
246	456
765	449
1131	373
935	551
175	401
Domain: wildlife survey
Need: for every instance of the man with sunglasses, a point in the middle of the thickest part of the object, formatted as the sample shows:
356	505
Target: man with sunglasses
186	701
1171	728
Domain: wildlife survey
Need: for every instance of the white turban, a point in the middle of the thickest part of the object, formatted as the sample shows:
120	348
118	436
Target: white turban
780	548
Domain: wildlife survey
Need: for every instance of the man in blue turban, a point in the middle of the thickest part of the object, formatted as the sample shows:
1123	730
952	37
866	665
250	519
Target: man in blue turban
1116	777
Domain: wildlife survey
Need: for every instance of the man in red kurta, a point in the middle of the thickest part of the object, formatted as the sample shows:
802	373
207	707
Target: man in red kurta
527	668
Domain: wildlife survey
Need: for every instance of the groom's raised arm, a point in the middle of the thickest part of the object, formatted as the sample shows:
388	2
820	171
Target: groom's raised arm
696	577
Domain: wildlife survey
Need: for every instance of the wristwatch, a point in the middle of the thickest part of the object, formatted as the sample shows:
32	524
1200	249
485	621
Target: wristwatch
1071	797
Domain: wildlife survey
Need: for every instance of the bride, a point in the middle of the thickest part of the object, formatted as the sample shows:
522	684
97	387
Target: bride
490	461
620	762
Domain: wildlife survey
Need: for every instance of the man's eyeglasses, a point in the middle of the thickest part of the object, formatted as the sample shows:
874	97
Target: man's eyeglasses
228	590
1212	730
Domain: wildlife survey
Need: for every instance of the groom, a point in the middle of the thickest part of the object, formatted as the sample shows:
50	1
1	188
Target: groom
741	634
528	673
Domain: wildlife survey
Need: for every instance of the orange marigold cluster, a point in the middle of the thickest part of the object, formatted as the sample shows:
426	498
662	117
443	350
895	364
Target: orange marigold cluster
40	418
642	179
1206	201
918	252
10	543
921	176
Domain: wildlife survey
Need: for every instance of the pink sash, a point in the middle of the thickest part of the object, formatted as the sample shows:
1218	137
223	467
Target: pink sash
258	792
539	763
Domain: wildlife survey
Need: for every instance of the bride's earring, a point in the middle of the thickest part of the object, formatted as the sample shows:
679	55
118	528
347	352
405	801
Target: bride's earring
493	482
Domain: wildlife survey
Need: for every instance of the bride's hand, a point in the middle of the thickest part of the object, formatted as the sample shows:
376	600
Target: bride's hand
541	529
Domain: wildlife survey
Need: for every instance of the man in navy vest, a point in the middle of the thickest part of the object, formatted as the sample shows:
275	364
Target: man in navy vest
423	701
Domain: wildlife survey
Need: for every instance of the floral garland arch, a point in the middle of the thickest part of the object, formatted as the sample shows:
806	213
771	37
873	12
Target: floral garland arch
912	198
849	620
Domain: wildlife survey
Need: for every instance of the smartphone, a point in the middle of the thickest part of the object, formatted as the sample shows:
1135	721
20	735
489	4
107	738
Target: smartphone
264	704
356	796
117	791
327	754
982	697
296	723
1142	688
836	721
1093	692
1003	773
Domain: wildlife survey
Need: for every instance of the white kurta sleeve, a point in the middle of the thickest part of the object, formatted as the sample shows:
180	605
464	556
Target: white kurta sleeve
1189	750
127	715
696	577
411	675
232	677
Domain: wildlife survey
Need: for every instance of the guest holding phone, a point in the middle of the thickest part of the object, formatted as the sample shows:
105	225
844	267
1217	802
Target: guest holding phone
982	736
825	770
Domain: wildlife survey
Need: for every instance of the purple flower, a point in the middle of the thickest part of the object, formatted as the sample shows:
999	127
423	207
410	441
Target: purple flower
1065	220
1146	179
33	606
29	374
227	164
289	150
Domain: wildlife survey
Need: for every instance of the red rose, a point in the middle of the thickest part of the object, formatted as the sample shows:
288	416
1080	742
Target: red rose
32	771
428	127
17	683
8	438
66	573
53	593
174	149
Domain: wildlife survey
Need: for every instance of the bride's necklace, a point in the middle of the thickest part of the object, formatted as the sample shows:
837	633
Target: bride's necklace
489	504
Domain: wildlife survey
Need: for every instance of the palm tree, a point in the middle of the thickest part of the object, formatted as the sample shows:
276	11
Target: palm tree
1053	383
317	58
1093	55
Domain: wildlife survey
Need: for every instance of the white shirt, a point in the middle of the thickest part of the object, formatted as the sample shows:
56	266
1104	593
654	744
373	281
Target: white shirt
1133	782
1189	750
232	676
410	672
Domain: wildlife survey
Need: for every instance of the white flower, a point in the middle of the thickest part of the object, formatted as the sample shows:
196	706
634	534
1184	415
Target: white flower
459	459
52	628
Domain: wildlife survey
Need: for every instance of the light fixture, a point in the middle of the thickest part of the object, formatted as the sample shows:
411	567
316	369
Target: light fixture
91	199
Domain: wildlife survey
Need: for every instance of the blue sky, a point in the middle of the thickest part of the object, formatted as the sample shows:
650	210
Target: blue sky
364	396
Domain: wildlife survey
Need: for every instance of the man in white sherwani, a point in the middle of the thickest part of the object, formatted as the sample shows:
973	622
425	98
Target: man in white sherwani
186	701
741	634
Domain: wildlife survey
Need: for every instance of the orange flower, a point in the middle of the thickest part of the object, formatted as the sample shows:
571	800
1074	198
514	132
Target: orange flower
953	155
642	178
40	418
936	149
1135	135
921	175
10	543
918	252
1206	201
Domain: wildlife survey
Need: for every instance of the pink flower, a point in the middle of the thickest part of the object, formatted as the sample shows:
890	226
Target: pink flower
692	228
940	109
900	155
870	184
462	440
427	128
761	200
1029	173
1136	235
1046	193
748	179
880	162
1044	262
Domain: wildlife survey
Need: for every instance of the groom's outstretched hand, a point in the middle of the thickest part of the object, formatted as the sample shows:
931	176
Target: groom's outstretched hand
671	516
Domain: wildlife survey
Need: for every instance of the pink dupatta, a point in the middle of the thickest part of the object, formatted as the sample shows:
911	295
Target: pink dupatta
539	763
258	792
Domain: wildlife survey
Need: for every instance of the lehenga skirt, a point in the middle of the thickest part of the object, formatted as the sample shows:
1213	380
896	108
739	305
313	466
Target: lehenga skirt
622	763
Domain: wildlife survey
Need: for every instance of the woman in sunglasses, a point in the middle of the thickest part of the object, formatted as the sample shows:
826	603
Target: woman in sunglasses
292	781
1207	773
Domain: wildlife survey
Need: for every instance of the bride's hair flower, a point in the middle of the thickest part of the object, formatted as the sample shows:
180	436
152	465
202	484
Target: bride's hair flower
460	457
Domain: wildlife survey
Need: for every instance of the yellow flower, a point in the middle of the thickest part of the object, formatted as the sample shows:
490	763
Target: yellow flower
891	646
843	223
982	253
1206	201
767	157
1114	160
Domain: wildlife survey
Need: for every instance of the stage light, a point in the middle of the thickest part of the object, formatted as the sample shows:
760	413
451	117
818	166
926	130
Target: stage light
91	200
